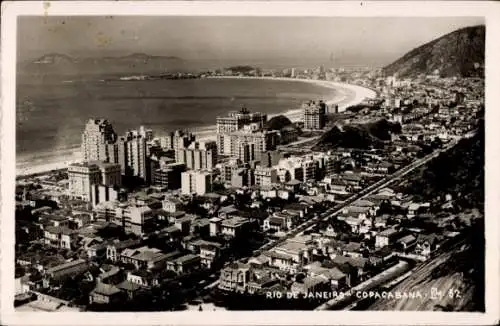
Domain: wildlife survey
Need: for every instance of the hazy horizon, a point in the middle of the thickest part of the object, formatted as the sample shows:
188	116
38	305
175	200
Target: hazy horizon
285	40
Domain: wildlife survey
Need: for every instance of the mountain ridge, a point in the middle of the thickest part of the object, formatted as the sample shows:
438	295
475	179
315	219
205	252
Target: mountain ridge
457	54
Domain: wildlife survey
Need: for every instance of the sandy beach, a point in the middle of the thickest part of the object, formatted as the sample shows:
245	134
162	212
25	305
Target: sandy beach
345	95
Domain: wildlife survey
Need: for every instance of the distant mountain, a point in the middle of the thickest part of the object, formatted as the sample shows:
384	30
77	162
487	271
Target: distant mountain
459	53
136	63
54	58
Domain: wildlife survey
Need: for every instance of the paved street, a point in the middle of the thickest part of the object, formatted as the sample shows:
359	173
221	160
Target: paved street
362	194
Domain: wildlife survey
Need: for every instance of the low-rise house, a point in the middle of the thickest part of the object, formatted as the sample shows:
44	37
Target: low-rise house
280	221
285	194
200	226
144	257
114	250
359	212
381	256
81	220
57	220
386	237
379	167
413	210
144	278
184	264
105	294
260	285
337	186
170	217
85	241
407	242
380	222
172	205
282	261
337	278
359	225
352	249
311	284
234	227
293	185
60	237
110	274
97	250
130	289
330	231
296	209
235	277
426	244
184	223
359	263
333	248
68	269
259	261
291	254
209	253
276	223
194	245
228	211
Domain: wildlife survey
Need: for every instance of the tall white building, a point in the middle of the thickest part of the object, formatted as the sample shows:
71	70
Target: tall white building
146	133
262	141
246	152
314	115
82	176
97	140
110	174
131	152
198	156
234	121
177	140
138	219
265	176
301	168
196	182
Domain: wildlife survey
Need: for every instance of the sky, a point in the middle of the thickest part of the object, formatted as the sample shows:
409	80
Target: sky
300	39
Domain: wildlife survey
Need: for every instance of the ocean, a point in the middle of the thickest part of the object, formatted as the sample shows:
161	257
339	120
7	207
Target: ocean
51	111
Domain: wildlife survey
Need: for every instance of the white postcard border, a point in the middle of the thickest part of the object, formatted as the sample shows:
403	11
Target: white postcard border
489	10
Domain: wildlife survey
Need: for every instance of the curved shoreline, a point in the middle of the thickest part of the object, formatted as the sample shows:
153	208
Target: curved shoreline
345	96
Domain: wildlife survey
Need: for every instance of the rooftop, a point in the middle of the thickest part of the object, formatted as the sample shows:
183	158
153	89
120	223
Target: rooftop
276	255
234	222
388	232
106	289
407	239
59	230
61	267
186	258
128	286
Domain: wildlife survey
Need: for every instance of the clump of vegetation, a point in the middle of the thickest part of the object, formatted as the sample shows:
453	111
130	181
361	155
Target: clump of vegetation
363	136
459	172
278	122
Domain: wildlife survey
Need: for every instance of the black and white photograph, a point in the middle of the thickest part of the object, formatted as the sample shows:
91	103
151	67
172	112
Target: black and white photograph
227	163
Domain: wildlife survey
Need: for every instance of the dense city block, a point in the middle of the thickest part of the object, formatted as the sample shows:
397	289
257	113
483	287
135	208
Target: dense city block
270	214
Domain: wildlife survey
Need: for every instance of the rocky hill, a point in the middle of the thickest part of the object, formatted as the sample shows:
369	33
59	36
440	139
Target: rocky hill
278	122
361	136
137	63
459	53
